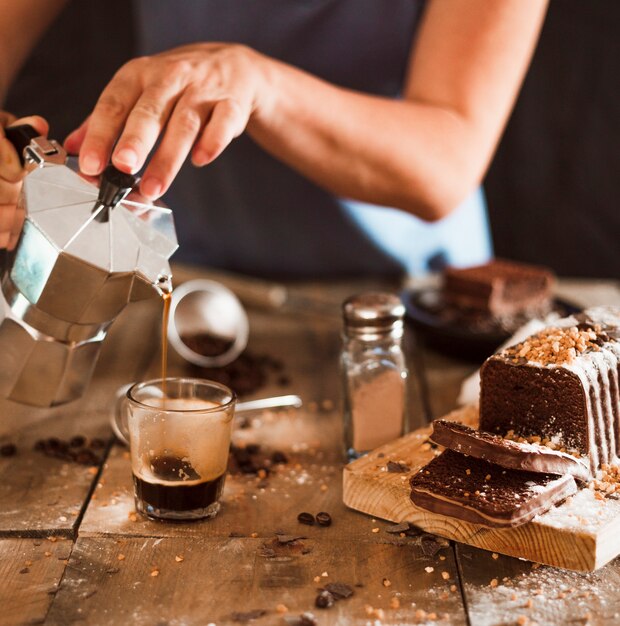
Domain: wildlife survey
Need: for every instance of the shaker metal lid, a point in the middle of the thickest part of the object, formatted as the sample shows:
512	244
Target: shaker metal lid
373	310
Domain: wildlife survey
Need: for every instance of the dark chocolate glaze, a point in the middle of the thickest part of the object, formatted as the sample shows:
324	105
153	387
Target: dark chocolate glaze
505	498
509	454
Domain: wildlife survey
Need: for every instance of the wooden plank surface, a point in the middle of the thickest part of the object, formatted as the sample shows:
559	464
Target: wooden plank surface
228	573
42	495
219	577
30	571
502	590
580	534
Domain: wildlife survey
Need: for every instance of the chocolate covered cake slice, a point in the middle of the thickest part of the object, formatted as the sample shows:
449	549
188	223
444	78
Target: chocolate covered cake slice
562	385
500	288
531	457
480	492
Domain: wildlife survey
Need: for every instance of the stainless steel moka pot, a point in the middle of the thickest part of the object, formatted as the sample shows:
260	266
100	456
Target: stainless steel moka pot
86	249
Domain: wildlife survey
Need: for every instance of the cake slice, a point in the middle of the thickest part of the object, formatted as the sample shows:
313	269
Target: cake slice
500	288
562	385
480	492
531	457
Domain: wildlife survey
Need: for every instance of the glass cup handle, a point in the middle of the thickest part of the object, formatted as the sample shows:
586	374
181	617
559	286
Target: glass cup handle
117	419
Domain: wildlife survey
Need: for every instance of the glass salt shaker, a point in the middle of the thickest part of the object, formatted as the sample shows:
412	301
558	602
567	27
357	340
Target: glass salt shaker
374	372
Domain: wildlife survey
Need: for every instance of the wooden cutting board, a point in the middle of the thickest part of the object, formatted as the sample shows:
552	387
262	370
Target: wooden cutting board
581	534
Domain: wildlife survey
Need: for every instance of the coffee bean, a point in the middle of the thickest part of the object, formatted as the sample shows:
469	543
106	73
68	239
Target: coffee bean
324	600
307	619
279	458
8	449
324	519
52	443
306	518
77	442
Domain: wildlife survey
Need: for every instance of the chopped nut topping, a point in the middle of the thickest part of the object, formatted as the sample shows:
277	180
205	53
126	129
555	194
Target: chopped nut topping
445	575
557	346
429	569
493	583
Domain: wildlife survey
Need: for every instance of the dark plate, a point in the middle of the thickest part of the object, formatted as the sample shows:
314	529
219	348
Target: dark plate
448	331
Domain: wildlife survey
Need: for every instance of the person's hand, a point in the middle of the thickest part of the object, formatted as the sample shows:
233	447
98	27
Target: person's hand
202	94
11	174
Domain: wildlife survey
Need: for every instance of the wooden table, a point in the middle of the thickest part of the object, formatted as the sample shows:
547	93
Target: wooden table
72	550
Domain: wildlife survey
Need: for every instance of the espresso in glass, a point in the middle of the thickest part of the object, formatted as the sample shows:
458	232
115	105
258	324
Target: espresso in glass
179	446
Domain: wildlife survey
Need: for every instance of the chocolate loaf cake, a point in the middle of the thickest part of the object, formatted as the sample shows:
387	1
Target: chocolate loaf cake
483	493
560	385
531	457
500	288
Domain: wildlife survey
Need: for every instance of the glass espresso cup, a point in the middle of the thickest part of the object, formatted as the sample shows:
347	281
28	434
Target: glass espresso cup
179	432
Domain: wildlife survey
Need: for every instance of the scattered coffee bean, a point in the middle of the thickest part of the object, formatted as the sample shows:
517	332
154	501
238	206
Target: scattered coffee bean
324	519
8	449
306	518
252	448
279	458
397	468
53	443
24	570
324	600
77	442
307	619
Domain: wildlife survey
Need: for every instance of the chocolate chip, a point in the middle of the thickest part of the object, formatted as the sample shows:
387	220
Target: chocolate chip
340	591
237	616
77	442
396	529
306	518
279	458
289	538
266	552
324	600
397	468
429	544
324	519
8	449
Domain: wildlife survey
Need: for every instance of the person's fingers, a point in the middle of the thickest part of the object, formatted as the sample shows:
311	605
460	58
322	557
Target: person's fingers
5	237
11	170
143	126
7	216
6	118
228	120
39	123
73	141
183	127
16	228
107	121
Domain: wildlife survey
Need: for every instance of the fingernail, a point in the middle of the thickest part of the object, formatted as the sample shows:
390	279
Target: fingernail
91	164
126	156
200	158
151	187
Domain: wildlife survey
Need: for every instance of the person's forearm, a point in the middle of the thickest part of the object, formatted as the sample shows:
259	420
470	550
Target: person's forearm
404	154
424	153
22	22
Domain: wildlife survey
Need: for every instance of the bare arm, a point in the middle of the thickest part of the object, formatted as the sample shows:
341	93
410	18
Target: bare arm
422	154
22	22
